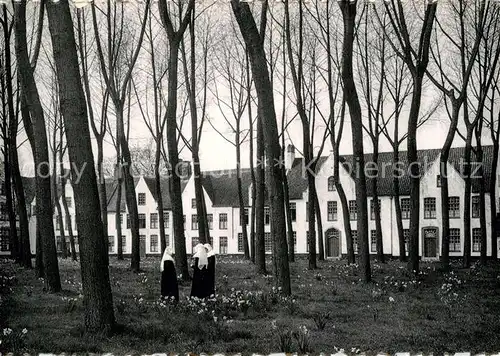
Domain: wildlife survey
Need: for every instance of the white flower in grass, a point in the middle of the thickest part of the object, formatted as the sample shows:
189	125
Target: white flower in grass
7	331
25	331
391	299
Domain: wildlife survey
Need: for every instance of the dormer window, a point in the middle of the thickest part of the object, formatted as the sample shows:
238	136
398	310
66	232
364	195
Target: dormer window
438	180
331	184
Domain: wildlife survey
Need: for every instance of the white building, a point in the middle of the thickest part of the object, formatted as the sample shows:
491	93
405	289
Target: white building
221	198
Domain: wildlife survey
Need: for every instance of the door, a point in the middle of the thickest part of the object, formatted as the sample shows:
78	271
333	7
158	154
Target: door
332	243
142	245
430	242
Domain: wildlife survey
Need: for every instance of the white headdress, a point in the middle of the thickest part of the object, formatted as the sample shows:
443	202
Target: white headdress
210	250
167	256
201	254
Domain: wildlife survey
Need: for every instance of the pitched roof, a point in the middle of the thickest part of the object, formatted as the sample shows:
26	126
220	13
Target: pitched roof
112	195
222	186
297	179
164	188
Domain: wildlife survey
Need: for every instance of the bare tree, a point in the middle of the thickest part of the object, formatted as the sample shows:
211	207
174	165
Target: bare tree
416	58
98	299
118	85
43	196
175	37
255	46
351	97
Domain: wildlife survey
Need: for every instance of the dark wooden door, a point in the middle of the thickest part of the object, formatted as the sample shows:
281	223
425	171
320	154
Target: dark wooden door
430	243
333	243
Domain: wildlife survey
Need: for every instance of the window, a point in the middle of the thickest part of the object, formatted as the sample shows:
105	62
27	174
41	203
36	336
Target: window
58	225
184	221
267	241
141	200
372	208
331	184
405	208
194	222
429	208
128	221
354	234
166	219
124	244
240	242
307	211
307	241
438	181
121	219
222	221
210	219
223	245
59	243
267	217
475	206
293	211
406	234
373	240
75	224
193	203
153	243
111	244
142	221
68	222
353	210
69	202
295	241
4	239
3	212
454	207
476	240
332	211
245	214
194	241
153	221
454	240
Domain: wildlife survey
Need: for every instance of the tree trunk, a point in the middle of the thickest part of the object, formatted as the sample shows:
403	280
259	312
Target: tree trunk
289	227
14	241
43	196
466	259
39	266
376	211
173	157
103	200
321	246
118	214
67	214
130	196
260	249
482	197
98	299
267	114
351	97
161	221
243	216
397	204
59	217
254	188
493	206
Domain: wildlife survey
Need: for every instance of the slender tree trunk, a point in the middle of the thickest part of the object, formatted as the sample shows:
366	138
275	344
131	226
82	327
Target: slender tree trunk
482	196
103	199
253	192
39	265
43	196
161	221
98	299
118	214
397	204
67	214
351	97
15	246
260	249
243	216
493	197
173	157
376	211
59	217
289	227
321	247
466	259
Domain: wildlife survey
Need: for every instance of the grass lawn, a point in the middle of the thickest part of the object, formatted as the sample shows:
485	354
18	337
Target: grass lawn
331	309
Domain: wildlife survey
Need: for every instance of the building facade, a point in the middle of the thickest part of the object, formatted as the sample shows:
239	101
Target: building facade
220	191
